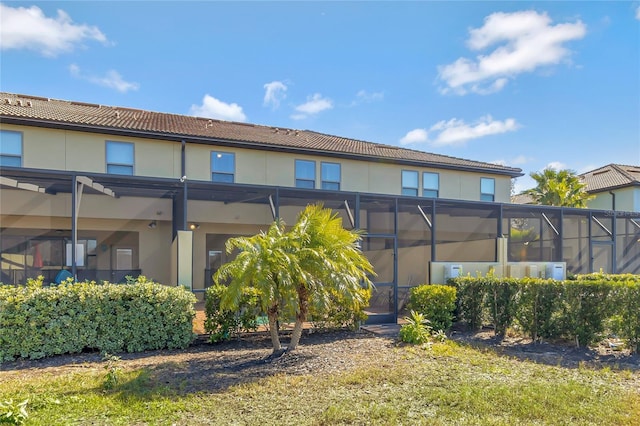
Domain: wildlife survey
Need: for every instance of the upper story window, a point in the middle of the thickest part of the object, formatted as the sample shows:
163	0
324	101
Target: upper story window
410	183
430	185
223	167
305	174
330	176
487	189
120	158
10	148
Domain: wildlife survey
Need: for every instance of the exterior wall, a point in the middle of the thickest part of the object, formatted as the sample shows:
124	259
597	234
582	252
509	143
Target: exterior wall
54	149
278	169
45	148
627	200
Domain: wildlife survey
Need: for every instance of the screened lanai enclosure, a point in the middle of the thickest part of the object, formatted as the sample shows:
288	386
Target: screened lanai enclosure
105	227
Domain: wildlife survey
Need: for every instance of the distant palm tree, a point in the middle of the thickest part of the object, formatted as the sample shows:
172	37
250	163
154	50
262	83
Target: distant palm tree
559	188
298	269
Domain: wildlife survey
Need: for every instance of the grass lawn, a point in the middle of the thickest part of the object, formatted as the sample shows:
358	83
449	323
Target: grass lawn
446	384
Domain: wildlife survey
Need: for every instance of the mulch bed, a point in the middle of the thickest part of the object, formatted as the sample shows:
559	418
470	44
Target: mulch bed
212	367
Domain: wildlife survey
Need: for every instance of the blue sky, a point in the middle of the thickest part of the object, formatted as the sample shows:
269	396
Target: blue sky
525	84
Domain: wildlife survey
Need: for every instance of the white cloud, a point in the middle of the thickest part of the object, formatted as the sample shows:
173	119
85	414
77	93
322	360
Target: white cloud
638	13
364	96
112	79
29	28
274	93
457	132
556	165
517	161
523	41
521	159
415	136
314	105
214	108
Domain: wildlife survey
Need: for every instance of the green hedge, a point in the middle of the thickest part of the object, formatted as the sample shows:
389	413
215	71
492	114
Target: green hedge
582	309
223	324
38	321
436	303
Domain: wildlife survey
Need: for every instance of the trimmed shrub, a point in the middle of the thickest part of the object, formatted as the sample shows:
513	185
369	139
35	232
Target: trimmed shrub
501	302
472	293
537	307
340	312
223	324
626	305
436	302
584	309
36	322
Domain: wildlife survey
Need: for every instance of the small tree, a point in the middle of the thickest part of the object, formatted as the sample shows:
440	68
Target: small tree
330	260
559	188
297	269
267	263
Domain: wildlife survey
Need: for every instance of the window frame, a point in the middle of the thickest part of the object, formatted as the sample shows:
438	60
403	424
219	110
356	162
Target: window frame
425	189
304	179
487	196
223	173
133	158
12	156
325	183
415	189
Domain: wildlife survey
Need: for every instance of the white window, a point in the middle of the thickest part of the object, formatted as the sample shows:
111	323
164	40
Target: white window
223	167
305	174
10	148
430	185
410	183
487	189
330	176
120	158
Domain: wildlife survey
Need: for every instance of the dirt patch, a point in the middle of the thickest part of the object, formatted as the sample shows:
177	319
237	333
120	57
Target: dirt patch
207	367
609	353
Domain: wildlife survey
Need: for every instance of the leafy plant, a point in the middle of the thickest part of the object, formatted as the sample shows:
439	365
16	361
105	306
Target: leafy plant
112	376
417	329
13	413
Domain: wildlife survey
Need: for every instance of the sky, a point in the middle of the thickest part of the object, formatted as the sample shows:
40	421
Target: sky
523	84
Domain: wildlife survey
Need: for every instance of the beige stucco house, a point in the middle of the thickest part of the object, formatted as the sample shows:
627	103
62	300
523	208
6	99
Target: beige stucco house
105	192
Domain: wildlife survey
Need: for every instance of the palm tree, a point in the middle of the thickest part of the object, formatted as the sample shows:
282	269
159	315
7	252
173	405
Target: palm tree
559	188
298	269
330	261
266	262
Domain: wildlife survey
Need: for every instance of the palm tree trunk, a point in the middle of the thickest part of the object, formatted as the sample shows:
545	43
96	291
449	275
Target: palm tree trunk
301	317
272	314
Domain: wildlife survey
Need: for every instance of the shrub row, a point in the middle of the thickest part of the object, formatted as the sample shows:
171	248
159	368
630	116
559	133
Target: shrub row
581	309
224	324
36	322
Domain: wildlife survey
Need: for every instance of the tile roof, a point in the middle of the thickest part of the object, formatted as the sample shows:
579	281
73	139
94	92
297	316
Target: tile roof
611	176
522	199
154	124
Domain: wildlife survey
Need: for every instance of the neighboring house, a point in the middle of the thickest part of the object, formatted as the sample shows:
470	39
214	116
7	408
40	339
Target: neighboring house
615	186
106	192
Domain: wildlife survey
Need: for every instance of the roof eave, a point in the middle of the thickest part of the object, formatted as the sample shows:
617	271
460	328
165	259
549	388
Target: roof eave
511	172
